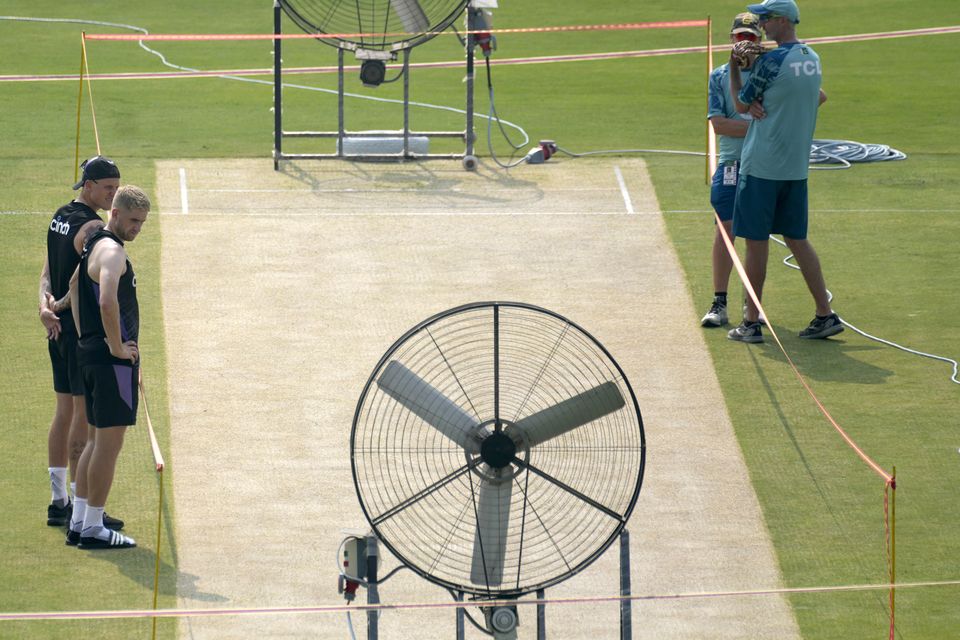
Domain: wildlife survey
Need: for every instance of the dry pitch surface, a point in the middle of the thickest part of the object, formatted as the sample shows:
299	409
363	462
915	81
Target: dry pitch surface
281	292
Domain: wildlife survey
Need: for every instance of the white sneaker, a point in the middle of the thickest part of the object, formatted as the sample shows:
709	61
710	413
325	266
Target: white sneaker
716	317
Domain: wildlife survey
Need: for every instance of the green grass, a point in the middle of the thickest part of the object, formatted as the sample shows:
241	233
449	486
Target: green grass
885	233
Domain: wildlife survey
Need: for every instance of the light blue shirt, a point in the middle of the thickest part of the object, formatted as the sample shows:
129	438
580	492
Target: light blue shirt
777	147
720	103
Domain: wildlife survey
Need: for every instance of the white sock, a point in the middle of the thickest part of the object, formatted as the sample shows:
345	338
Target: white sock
92	522
79	512
58	485
73	489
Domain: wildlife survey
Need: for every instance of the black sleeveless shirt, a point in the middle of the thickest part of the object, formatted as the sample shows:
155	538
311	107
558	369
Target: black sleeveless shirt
62	256
92	347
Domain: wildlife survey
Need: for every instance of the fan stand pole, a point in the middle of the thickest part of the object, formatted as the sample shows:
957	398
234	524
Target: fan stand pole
460	616
277	88
373	593
626	614
341	129
406	103
541	616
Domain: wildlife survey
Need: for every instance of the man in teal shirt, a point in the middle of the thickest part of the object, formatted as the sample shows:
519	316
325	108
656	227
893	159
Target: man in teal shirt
783	94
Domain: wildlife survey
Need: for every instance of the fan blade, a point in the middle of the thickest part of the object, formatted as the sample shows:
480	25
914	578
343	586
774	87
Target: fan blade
490	541
411	15
430	405
571	413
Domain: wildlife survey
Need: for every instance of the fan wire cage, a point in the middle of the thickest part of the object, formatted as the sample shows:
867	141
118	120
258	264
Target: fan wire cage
497	449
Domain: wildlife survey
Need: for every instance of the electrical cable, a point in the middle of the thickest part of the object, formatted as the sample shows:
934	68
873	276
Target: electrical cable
225	76
889	343
621	151
353	636
493	115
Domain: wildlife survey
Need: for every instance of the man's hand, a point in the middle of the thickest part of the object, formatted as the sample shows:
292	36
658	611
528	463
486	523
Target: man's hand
757	111
50	320
127	351
744	53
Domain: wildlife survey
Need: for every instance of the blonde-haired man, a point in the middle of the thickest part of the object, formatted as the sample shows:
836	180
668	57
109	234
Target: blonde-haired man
104	301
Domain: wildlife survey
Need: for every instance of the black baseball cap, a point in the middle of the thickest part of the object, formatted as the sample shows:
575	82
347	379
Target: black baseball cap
97	168
746	23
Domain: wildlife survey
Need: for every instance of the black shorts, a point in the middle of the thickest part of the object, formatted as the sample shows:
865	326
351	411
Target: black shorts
66	368
111	394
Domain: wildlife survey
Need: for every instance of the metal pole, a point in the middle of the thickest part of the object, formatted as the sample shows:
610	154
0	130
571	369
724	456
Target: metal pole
460	617
541	617
277	89
626	619
471	44
340	127
406	103
373	595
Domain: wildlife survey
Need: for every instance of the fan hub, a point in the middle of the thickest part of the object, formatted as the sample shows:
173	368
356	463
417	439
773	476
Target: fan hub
498	450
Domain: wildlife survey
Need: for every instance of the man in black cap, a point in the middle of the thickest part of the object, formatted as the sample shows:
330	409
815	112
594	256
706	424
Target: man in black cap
67	232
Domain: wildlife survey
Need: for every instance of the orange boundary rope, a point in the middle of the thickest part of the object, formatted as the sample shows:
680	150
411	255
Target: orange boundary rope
339	608
890	483
629	26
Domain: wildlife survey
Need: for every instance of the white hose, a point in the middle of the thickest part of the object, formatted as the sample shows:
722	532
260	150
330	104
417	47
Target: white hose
889	343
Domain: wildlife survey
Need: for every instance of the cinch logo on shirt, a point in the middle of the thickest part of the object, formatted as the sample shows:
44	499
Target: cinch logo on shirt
59	226
809	68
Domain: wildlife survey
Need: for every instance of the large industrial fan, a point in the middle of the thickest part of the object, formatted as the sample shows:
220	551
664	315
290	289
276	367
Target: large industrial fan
497	449
377	32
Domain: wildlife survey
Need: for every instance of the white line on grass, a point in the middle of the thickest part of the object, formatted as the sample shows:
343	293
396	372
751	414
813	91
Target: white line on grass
623	189
184	204
391	214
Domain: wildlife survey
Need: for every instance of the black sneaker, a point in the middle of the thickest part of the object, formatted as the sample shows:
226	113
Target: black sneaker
114	541
716	317
114	524
823	327
73	537
746	332
58	516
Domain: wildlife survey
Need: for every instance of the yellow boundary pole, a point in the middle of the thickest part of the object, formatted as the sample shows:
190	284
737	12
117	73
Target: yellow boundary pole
711	139
93	112
893	549
83	64
156	570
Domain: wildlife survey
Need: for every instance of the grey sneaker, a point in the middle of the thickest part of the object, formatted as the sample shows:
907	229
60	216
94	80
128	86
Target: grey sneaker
746	332
823	327
716	317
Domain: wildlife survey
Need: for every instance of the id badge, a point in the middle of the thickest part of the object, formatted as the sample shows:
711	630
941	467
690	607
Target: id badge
730	175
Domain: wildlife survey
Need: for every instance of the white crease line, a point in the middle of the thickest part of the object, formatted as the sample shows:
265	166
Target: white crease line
623	189
184	204
393	214
402	190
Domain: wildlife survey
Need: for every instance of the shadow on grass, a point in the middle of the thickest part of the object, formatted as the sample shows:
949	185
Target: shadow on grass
138	564
829	360
836	514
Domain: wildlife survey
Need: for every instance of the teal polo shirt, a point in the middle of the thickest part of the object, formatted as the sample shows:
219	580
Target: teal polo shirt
787	79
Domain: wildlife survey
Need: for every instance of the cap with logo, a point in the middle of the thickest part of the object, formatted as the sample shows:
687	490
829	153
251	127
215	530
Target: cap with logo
746	23
97	168
785	8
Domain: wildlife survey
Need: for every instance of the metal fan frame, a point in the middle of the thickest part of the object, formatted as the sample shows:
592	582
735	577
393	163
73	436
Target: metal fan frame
394	46
485	591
